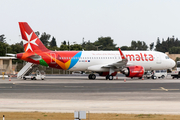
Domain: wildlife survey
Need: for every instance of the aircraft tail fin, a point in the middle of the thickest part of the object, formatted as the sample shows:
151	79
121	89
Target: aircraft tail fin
30	40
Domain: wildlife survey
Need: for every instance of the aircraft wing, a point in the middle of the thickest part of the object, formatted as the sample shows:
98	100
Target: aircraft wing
119	64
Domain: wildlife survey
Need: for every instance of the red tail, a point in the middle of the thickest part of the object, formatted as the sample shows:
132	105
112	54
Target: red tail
31	42
122	55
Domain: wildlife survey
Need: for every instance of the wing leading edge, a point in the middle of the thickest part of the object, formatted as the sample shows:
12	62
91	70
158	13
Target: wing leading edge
118	65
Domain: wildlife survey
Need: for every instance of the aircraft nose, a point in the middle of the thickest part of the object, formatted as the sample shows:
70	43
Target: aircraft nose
172	63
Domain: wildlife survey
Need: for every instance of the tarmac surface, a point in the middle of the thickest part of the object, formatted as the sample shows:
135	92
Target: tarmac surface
76	93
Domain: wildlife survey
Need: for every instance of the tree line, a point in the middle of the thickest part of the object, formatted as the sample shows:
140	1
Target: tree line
171	45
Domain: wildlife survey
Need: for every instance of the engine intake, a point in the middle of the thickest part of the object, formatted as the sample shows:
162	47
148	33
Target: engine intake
133	71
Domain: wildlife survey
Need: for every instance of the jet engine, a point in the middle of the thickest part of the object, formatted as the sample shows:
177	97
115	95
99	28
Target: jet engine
133	71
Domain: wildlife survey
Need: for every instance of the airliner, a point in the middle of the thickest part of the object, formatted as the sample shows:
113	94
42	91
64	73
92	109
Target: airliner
105	63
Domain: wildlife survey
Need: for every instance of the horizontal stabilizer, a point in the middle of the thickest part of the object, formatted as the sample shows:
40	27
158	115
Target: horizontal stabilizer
10	54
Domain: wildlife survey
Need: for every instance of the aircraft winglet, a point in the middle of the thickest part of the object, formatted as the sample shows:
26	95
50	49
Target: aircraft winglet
122	55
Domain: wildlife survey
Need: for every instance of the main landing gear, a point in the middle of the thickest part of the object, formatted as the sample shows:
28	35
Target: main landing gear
109	77
92	76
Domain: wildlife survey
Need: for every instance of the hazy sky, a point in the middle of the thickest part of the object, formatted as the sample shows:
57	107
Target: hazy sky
122	20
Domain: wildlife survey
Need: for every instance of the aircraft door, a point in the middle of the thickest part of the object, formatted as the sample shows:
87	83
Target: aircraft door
158	58
115	58
53	58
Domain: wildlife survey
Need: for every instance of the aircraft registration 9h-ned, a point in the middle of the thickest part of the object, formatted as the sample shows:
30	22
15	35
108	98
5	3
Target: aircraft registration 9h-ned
105	63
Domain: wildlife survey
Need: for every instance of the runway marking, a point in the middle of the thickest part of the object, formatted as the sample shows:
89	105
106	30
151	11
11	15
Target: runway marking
162	88
73	86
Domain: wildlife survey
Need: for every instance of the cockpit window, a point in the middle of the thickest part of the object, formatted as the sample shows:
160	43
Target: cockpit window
166	57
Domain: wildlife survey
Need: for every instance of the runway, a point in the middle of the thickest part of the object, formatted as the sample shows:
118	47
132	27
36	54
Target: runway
70	93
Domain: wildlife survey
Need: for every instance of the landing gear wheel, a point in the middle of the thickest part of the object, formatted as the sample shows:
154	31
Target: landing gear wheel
153	77
92	76
109	77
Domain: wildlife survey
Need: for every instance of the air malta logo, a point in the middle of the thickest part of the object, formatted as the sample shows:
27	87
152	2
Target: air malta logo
29	42
140	57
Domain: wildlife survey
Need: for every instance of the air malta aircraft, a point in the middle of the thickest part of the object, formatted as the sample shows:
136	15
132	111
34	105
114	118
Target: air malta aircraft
105	63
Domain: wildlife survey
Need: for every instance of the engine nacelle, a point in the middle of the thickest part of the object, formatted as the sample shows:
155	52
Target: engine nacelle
133	71
107	73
